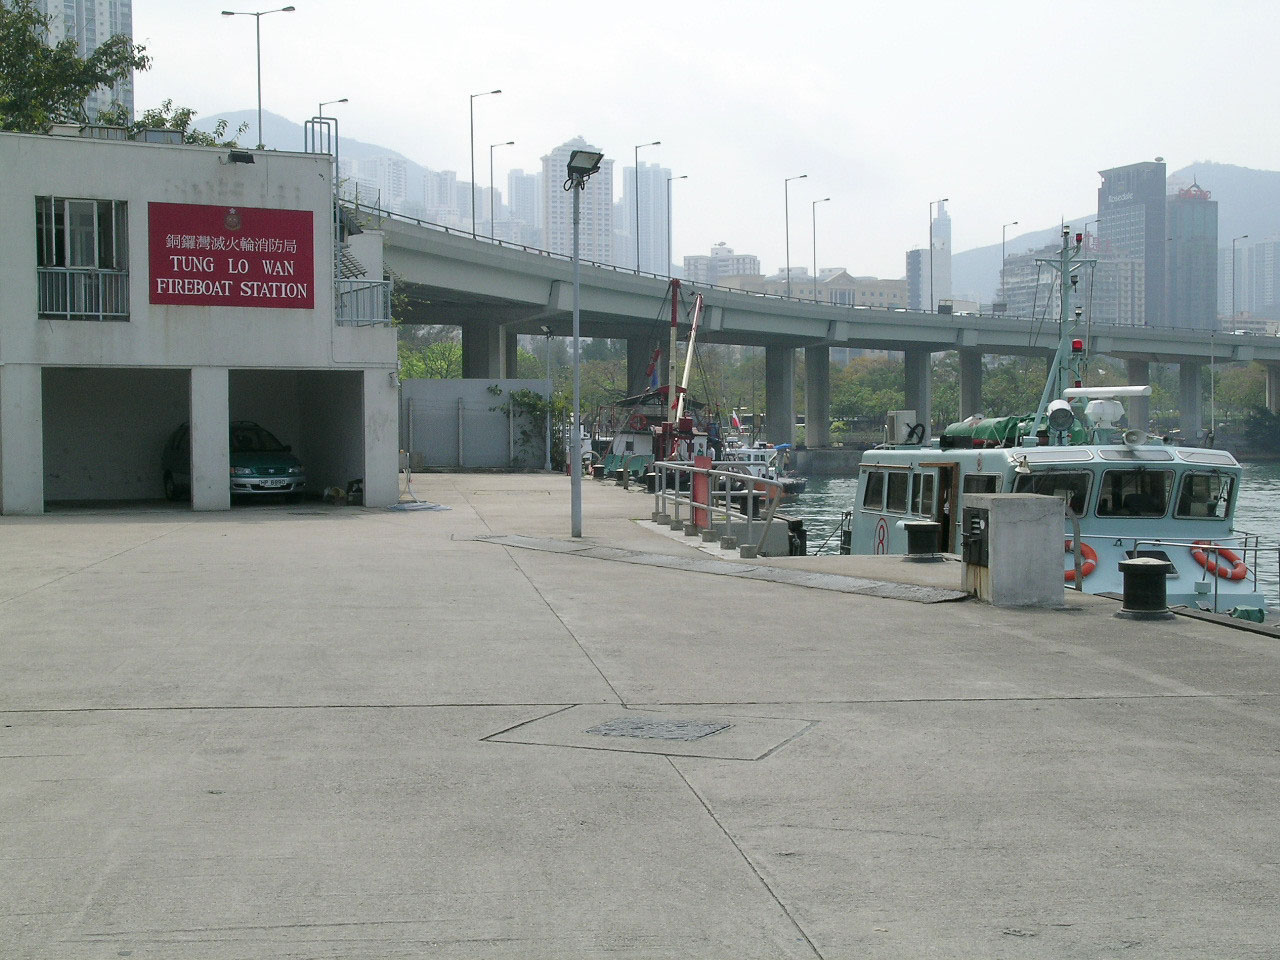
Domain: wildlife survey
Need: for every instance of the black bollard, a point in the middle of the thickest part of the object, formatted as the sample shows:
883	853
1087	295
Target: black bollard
922	540
1145	590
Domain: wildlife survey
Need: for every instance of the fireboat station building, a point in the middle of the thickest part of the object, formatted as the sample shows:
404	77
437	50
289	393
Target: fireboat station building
148	285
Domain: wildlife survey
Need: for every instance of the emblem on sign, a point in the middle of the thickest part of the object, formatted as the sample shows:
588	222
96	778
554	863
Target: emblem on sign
232	220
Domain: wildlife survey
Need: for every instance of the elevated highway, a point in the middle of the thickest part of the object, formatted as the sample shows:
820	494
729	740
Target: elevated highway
496	290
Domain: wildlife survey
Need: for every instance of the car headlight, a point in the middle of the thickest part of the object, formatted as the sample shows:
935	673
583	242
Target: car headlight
242	471
295	469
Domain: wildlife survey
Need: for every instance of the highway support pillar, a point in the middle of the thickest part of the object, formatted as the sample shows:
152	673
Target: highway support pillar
817	397
1138	373
1273	388
918	389
1190	417
780	393
510	356
481	351
639	355
970	381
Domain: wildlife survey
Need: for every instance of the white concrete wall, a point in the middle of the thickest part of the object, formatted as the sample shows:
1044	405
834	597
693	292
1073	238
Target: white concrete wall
486	434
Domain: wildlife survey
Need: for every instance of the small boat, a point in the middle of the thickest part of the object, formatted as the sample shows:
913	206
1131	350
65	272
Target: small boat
1127	494
766	461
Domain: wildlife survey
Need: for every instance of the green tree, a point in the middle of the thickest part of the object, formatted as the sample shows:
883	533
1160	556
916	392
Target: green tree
42	85
168	117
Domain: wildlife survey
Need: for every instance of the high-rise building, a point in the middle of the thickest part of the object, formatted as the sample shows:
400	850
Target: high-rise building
917	277
1131	226
90	23
651	182
1256	279
595	210
1191	290
939	268
722	263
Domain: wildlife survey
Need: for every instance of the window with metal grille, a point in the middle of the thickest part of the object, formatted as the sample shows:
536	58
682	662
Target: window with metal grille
82	258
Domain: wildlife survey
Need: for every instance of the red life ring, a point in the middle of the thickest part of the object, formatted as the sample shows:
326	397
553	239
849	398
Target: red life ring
1239	569
1087	567
638	423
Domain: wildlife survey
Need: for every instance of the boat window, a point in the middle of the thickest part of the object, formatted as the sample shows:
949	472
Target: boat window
922	495
897	498
1135	493
1205	496
1071	486
982	483
873	490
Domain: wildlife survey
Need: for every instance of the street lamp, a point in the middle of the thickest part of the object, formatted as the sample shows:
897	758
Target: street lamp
1244	236
933	307
582	164
473	96
257	31
547	332
1003	295
655	143
327	103
814	210
505	143
786	201
320	115
683	176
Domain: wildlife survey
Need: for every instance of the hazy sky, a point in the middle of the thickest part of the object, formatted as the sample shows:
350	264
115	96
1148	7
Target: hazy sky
1007	108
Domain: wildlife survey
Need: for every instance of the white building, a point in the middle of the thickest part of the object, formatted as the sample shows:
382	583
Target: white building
939	269
595	212
720	264
650	188
90	23
150	285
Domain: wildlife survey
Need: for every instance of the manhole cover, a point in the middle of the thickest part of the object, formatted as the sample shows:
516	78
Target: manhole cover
649	728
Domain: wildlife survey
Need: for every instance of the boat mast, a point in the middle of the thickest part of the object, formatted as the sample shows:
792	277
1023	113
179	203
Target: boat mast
671	354
688	357
1065	370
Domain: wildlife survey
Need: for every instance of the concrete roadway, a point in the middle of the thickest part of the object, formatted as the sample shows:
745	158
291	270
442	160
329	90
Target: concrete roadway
326	732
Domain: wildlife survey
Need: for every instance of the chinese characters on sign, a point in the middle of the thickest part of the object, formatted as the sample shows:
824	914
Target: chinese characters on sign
231	256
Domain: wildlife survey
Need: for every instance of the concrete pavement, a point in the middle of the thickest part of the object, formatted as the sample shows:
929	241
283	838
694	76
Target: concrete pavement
310	731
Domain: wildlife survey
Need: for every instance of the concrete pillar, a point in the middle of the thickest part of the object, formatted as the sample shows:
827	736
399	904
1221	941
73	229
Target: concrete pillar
1190	418
21	439
970	381
481	351
210	451
381	438
1273	388
817	396
780	394
918	389
639	353
510	344
1138	373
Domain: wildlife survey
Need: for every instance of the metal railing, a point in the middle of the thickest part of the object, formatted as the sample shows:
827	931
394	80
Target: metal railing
673	493
70	293
362	301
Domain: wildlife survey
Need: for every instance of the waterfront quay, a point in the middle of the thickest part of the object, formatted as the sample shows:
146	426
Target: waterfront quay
302	730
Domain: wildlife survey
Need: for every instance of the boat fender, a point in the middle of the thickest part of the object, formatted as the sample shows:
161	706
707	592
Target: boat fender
1089	564
1238	570
637	423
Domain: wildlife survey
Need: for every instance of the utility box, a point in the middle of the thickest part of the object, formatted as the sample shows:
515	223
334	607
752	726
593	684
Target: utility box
899	424
1012	549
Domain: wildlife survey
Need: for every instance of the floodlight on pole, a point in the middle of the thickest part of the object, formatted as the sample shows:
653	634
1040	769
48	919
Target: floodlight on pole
814	210
582	164
655	143
257	32
683	176
933	307
786	217
486	93
505	143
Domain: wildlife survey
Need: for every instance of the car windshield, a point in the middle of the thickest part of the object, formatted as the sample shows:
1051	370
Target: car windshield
251	438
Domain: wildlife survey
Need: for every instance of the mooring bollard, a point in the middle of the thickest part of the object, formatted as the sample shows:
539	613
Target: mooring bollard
1145	589
922	540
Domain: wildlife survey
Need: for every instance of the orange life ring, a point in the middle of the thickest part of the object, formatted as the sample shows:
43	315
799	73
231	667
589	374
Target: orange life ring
637	423
1089	565
1239	569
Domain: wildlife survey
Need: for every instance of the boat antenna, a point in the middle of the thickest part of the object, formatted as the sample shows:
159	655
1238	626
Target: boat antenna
1065	368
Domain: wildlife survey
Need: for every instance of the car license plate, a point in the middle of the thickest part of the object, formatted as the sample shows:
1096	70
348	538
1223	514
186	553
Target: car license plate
277	482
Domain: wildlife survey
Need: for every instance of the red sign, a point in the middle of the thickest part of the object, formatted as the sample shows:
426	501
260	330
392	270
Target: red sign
231	256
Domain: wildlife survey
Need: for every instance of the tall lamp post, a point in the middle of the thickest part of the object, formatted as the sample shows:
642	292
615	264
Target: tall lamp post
582	164
786	201
505	143
327	103
473	96
1004	296
655	143
1234	240
683	176
257	31
320	114
547	332
814	210
933	307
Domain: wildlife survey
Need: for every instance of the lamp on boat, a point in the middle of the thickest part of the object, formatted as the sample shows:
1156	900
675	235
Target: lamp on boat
1021	467
1061	416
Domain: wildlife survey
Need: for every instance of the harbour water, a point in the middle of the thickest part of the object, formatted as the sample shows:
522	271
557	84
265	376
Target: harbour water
826	499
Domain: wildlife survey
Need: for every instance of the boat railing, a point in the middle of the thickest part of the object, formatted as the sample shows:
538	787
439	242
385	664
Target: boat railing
673	496
1249	547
